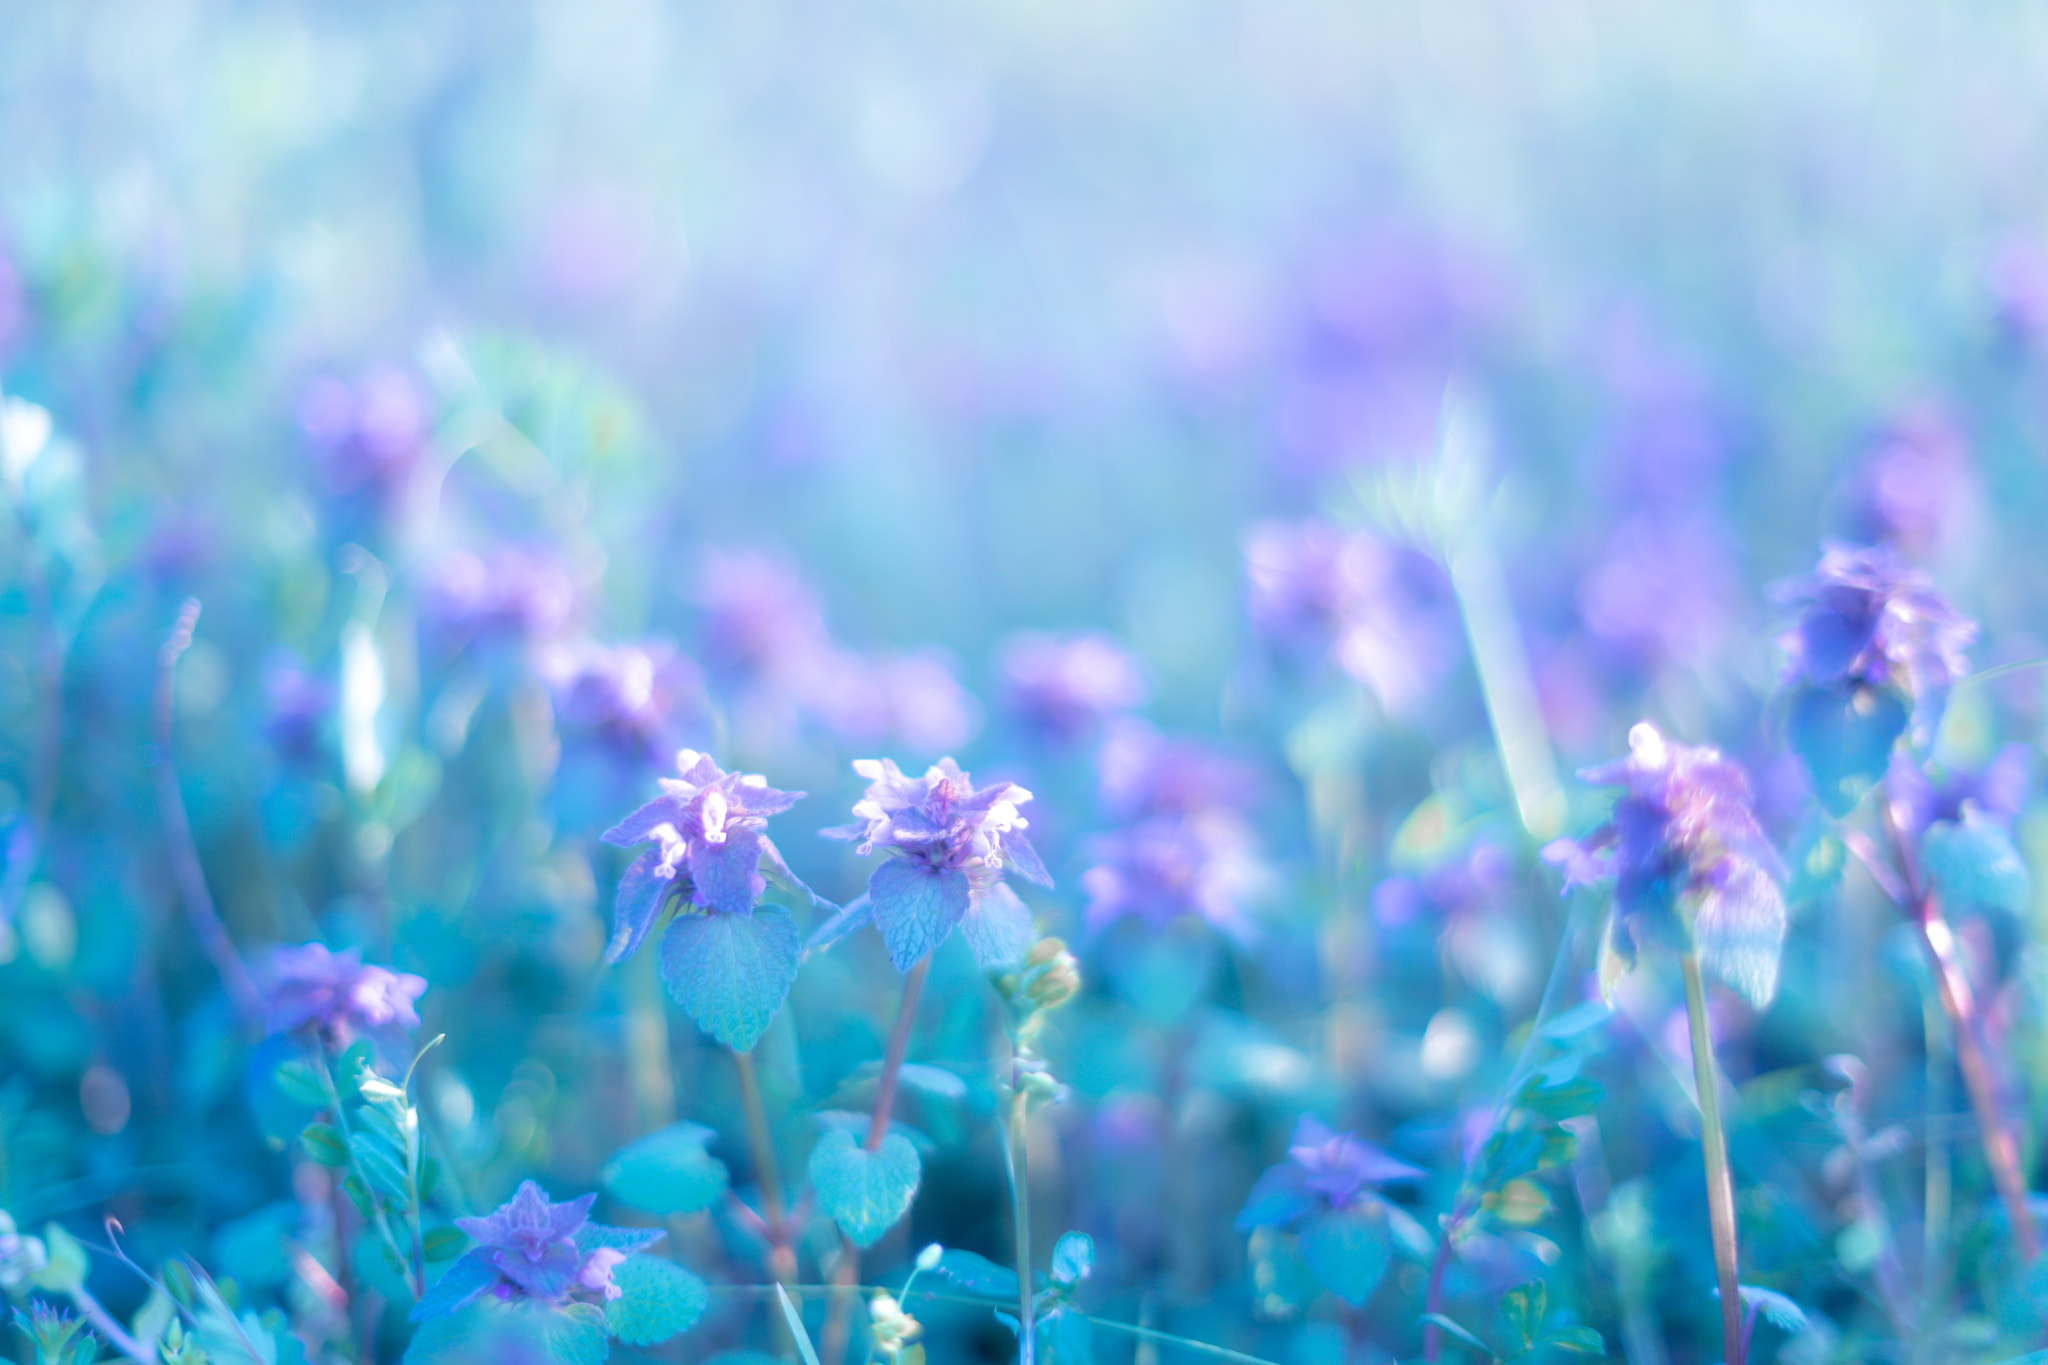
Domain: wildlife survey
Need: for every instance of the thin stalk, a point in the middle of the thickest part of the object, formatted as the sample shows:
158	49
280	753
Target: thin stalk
781	1258
1020	1207
1714	1149
1940	1175
1433	1296
105	1324
213	935
839	1313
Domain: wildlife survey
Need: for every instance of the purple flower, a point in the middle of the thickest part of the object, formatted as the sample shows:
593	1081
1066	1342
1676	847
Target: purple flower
1994	792
1142	772
1325	1171
1692	867
950	844
1916	489
627	695
709	831
1177	863
311	987
523	589
1871	621
1663	587
366	433
762	622
297	702
533	1250
1061	688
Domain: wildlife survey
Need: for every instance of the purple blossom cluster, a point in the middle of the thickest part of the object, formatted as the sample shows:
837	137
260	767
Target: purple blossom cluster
530	1249
337	994
1871	621
1325	1171
1692	868
1062	689
630	698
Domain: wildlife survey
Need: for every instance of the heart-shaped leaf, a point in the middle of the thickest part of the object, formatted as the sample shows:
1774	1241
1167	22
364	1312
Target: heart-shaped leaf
915	907
731	972
668	1172
865	1192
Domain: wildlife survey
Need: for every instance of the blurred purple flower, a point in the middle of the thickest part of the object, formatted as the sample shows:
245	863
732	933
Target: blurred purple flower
523	589
1871	621
1664	588
296	703
627	695
1994	792
1142	772
368	433
1916	489
762	622
1692	867
534	1250
923	705
1061	688
1176	863
1325	1171
311	987
709	831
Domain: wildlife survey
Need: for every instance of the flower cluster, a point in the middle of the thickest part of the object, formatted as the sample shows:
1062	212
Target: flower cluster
625	695
709	831
534	1250
1062	688
1871	621
310	986
1691	866
1325	1171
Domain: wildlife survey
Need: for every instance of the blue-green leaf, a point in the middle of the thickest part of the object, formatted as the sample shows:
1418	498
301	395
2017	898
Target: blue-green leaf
1973	863
657	1299
1064	1338
460	1283
668	1172
865	1192
1845	738
979	1276
1347	1250
915	907
488	1332
731	972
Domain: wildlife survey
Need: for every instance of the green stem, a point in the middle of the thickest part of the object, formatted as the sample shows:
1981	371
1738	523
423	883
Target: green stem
1020	1205
1714	1148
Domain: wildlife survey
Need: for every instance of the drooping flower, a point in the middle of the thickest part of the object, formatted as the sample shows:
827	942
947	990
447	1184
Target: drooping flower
309	986
1692	868
709	830
1325	1171
531	1249
1062	688
949	845
1873	621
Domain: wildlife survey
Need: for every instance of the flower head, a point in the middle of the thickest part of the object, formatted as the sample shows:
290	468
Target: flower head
520	589
709	831
626	695
949	844
1176	863
532	1249
1692	867
1061	688
310	986
1873	622
1325	1171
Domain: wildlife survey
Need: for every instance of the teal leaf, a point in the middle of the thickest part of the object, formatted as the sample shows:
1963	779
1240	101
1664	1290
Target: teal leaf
301	1083
66	1266
1973	863
797	1331
657	1299
460	1283
1064	1338
1073	1256
1524	1307
979	1276
731	972
997	928
1563	1100
1845	739
1739	928
1584	1340
1783	1312
865	1192
668	1172
915	907
1347	1250
488	1332
1445	1324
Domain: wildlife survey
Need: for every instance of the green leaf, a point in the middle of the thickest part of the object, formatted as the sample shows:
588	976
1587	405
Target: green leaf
979	1276
657	1299
323	1142
668	1172
458	1284
1073	1256
1524	1307
916	907
487	1332
438	1244
731	972
1460	1333
796	1327
1064	1338
1347	1250
65	1270
1584	1340
865	1192
301	1083
1570	1099
379	1165
1973	863
1845	738
358	1194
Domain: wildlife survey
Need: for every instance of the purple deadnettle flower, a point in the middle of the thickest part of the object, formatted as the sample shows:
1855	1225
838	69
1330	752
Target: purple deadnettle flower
625	695
311	987
950	844
1176	863
1062	688
1325	1171
1692	867
1916	489
708	828
523	589
1872	621
529	1249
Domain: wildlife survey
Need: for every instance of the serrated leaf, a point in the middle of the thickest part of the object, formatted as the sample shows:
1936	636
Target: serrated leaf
657	1299
323	1142
915	907
1845	738
1347	1250
301	1083
979	1276
1973	863
731	972
1584	1340
1073	1256
668	1171
865	1192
